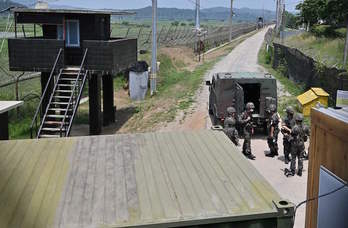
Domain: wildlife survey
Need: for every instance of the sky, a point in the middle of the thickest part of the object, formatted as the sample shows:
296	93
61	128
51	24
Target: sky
188	4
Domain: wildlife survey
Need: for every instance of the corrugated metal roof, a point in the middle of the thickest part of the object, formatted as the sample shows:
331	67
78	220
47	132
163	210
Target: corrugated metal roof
320	92
307	97
122	180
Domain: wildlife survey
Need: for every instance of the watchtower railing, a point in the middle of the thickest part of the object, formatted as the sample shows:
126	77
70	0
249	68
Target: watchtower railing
74	98
39	108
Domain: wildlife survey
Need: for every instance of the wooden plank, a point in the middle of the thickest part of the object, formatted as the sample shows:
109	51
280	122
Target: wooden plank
97	211
110	188
179	193
9	164
193	201
202	169
11	193
155	201
5	149
25	204
219	179
260	185
130	176
142	184
56	184
328	148
169	206
207	208
82	198
120	180
237	177
82	149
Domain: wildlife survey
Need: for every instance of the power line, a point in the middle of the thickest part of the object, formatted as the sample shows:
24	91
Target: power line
318	197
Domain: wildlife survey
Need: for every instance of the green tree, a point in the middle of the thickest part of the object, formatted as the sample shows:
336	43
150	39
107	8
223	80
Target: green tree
290	20
311	11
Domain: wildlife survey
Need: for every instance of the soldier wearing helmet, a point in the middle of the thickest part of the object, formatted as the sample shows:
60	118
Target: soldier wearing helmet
230	126
298	138
287	124
248	129
273	131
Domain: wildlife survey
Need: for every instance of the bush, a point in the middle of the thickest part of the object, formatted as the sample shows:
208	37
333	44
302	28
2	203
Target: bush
325	31
175	23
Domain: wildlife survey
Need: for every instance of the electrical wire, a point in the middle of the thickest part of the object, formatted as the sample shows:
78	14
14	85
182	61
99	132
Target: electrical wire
318	197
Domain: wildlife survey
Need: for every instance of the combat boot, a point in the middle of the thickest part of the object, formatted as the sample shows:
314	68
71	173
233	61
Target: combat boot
299	172
287	160
289	173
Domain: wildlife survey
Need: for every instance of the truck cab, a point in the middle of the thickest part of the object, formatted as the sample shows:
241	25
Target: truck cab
237	89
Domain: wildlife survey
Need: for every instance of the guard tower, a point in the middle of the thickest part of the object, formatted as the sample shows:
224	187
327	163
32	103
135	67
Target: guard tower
75	46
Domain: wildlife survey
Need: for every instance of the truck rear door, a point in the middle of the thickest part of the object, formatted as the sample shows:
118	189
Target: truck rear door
239	98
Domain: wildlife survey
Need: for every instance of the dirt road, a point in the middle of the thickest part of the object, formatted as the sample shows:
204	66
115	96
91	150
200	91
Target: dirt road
244	58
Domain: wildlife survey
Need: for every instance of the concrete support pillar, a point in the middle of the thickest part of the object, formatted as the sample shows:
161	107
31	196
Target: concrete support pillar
95	116
4	126
44	80
108	100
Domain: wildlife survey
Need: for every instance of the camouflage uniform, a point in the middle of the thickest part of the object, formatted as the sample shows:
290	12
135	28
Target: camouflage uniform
288	122
230	126
273	123
298	138
246	121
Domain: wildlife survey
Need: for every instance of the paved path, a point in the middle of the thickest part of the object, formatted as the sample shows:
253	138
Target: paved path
244	58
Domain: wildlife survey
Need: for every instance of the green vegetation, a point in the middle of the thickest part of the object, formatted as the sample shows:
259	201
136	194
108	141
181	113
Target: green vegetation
175	91
328	51
20	122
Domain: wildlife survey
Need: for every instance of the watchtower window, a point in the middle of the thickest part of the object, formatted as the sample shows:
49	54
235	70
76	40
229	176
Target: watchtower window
72	33
60	35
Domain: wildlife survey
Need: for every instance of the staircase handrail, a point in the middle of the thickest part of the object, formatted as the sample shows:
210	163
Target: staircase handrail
44	93
72	93
67	133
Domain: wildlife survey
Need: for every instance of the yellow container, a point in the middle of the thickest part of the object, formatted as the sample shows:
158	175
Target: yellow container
323	96
309	99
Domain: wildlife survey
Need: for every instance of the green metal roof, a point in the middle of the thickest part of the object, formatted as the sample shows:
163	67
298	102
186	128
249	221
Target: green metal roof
244	75
166	179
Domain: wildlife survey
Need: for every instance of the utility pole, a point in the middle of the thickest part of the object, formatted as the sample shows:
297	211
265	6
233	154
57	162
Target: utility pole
198	9
231	15
154	48
282	26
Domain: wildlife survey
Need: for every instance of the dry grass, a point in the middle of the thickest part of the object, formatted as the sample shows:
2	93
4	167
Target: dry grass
328	51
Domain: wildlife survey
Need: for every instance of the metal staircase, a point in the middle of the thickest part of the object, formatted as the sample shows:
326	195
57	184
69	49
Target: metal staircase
56	121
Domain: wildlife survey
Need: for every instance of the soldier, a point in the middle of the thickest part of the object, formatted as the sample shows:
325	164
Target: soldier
230	126
287	124
298	138
273	131
248	129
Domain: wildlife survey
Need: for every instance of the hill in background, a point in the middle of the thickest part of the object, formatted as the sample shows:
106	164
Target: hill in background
6	4
217	13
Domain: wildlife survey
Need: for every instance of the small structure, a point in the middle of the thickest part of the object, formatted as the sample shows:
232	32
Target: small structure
328	149
309	99
75	47
174	179
5	107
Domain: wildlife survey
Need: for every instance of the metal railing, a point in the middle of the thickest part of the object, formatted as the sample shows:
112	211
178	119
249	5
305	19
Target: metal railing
39	108
75	95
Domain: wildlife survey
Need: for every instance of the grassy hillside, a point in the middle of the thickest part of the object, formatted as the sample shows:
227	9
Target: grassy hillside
327	50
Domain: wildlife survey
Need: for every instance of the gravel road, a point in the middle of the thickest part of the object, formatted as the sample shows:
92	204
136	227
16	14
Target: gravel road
244	59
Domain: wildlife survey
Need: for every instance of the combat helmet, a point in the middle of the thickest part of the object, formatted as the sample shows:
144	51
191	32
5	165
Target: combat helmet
231	110
272	108
290	110
299	117
250	106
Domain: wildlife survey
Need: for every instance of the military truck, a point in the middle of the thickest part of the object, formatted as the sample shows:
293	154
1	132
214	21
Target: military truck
260	23
237	89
